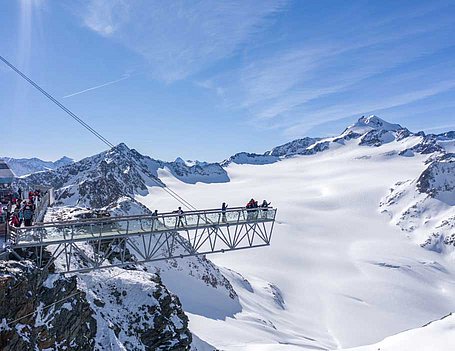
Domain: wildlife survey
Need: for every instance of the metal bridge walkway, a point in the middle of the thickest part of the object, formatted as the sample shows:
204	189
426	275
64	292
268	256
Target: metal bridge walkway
85	245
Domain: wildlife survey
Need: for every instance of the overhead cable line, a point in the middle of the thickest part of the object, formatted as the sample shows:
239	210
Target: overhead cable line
91	130
59	104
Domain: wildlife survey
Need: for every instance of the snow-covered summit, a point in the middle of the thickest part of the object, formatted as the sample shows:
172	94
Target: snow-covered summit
365	124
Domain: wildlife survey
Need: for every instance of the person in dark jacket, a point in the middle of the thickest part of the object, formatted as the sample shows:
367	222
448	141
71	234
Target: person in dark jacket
155	220
250	209
28	215
224	207
265	206
181	216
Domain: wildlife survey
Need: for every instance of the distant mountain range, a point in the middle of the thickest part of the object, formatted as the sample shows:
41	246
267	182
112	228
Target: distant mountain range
369	131
102	179
24	166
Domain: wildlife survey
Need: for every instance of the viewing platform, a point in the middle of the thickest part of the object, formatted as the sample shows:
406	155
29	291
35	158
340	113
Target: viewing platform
120	241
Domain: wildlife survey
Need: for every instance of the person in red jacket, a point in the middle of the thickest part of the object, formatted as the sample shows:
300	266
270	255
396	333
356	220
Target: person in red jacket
15	220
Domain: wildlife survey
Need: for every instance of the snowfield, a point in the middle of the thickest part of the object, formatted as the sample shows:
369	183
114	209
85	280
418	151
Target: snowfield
436	336
338	274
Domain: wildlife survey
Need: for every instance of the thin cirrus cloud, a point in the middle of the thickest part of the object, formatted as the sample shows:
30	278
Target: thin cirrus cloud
180	38
345	66
284	84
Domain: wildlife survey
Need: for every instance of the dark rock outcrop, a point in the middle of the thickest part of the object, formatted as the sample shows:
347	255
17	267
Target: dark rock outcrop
25	291
438	179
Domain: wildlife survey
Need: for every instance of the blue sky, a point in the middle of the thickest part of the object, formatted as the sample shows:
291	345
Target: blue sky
205	79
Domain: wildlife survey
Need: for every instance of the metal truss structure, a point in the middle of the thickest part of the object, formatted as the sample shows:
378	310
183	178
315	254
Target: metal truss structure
86	245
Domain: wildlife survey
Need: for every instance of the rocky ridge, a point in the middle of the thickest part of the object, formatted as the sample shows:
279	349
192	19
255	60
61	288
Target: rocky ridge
425	206
100	180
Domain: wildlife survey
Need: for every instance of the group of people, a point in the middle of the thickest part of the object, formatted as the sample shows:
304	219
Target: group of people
252	208
254	204
19	210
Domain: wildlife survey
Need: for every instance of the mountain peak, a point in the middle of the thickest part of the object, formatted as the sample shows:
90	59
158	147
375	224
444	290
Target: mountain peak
180	160
372	122
63	162
375	122
65	159
121	148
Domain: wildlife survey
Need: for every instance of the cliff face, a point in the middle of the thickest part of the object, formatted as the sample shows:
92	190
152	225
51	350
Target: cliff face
88	312
24	290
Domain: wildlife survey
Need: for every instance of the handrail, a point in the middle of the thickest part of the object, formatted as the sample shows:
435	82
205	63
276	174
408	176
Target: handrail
37	231
138	217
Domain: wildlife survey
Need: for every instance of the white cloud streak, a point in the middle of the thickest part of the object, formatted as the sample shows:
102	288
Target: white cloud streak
96	87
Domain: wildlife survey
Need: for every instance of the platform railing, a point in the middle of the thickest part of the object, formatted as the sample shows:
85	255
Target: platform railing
110	227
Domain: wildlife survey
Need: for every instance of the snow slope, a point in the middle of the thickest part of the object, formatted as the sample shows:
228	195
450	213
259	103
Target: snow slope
435	336
346	277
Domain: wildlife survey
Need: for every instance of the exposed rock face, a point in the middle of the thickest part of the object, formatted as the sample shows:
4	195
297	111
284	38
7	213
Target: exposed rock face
425	206
189	277
347	136
134	311
318	147
369	131
296	147
112	311
142	171
68	325
195	171
428	145
377	138
250	158
438	179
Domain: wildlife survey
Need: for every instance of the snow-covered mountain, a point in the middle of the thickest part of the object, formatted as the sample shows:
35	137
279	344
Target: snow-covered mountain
100	180
367	131
23	166
337	274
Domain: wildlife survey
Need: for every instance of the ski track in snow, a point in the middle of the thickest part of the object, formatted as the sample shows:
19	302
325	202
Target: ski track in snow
347	276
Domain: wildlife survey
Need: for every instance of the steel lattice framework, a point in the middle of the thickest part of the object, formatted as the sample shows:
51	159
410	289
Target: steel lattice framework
86	245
